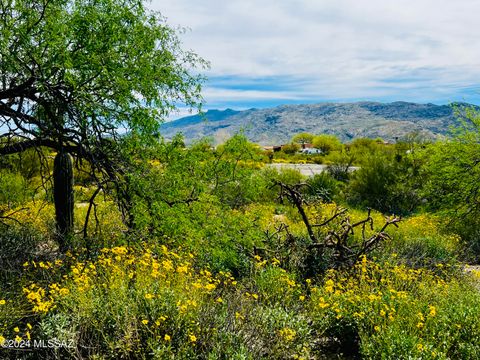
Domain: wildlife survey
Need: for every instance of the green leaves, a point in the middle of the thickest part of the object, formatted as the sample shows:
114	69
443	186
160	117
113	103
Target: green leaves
453	171
101	63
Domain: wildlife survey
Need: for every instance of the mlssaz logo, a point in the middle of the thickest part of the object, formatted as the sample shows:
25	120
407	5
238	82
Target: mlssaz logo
53	343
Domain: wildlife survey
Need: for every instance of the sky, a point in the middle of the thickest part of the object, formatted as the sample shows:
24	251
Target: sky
265	53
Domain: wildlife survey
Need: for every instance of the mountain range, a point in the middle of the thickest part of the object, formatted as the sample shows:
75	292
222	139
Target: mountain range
277	125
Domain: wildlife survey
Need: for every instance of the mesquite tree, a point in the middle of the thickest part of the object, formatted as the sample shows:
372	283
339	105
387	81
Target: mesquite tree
77	75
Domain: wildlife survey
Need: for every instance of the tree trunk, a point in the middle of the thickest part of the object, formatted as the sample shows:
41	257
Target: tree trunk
63	198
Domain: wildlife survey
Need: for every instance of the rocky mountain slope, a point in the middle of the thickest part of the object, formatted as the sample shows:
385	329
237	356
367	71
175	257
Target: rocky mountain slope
346	120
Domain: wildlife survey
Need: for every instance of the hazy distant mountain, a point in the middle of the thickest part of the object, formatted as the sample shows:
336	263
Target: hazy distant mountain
346	120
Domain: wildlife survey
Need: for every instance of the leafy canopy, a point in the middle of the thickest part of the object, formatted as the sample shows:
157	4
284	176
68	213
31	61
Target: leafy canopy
78	72
454	176
303	138
327	143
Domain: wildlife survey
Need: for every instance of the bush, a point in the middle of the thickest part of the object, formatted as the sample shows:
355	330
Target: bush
340	165
400	312
452	175
14	189
17	245
290	149
385	184
322	186
420	242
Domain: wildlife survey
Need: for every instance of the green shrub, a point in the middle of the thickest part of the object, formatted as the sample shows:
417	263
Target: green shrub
323	186
385	184
14	189
17	245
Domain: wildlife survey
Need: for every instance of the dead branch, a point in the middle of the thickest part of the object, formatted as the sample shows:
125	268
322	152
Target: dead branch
336	240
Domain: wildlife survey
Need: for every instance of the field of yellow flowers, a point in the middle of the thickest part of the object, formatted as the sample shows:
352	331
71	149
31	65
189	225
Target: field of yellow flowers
152	301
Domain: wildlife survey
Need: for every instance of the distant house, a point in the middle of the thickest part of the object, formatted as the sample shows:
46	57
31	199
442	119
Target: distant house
306	148
274	148
311	150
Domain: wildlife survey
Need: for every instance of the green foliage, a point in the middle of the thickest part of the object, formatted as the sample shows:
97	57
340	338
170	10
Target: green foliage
14	189
362	147
340	165
303	138
189	197
386	183
290	149
453	184
412	141
420	241
81	74
232	171
28	163
327	143
120	64
247	279
323	186
17	245
287	176
177	308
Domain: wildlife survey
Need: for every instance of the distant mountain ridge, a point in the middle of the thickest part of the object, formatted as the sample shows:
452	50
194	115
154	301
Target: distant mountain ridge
346	120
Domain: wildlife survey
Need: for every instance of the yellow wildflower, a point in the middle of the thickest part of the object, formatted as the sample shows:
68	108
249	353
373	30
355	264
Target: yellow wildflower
16	329
420	316
64	291
145	322
239	316
182	269
193	338
210	287
288	334
167	265
323	305
167	337
329	286
2	302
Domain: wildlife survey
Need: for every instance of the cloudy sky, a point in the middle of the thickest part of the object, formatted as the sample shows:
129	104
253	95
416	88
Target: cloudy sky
265	53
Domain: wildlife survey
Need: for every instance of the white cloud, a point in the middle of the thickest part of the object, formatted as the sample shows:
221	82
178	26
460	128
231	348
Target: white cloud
342	49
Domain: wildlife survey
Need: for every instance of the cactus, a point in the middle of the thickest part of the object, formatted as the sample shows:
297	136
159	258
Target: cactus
63	197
